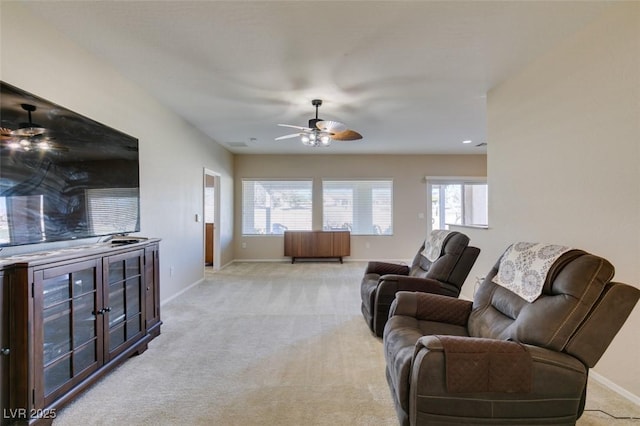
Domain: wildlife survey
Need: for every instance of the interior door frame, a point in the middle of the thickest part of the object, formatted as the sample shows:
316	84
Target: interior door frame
216	216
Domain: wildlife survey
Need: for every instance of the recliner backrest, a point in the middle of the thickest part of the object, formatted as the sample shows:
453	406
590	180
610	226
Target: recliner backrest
442	268
572	288
603	322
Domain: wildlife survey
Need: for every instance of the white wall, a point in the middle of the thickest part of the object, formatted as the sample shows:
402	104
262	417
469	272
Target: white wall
564	162
37	58
409	197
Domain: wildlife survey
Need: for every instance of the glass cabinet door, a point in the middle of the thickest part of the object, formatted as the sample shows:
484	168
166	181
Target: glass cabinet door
124	303
152	296
71	325
5	350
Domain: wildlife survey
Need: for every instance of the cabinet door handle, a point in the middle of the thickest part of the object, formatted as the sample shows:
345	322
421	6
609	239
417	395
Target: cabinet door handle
102	311
5	351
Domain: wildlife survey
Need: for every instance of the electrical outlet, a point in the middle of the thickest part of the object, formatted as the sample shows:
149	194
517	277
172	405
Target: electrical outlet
477	283
244	245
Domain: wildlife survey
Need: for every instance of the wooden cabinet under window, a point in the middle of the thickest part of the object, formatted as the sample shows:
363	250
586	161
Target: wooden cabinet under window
317	244
75	315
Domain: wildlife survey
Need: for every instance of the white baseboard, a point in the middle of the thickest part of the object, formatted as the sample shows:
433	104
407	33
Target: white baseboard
615	388
345	260
164	302
225	265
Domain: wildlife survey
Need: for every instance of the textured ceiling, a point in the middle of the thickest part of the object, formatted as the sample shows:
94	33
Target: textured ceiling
412	77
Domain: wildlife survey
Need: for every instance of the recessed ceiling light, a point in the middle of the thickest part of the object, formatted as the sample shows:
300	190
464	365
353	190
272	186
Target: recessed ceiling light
467	141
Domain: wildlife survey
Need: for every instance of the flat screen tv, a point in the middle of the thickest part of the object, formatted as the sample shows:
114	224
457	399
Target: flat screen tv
63	176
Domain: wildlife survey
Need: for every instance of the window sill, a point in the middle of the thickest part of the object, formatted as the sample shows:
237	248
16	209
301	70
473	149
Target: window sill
468	226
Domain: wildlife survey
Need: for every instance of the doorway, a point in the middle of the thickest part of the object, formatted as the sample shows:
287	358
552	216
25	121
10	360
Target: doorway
211	194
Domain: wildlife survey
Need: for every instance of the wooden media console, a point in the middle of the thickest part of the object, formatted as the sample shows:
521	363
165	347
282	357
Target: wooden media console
68	317
317	244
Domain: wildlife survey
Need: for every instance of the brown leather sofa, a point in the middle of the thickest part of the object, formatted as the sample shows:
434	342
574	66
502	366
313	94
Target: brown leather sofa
446	275
501	359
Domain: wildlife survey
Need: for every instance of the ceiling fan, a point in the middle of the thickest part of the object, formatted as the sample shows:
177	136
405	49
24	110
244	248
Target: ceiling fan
27	136
321	132
30	128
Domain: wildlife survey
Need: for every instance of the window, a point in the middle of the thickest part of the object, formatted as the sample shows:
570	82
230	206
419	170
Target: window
21	216
275	206
363	207
209	204
112	210
457	202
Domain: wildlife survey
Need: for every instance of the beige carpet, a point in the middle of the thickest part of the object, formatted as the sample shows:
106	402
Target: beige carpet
264	344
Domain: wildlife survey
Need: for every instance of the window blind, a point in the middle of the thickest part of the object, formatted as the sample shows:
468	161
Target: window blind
112	210
364	207
275	206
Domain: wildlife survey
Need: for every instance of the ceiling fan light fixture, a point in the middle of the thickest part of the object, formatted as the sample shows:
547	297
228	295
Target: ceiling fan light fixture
29	129
321	132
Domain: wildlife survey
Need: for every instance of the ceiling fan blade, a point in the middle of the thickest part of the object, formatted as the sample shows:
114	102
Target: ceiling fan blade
295	127
293	135
347	135
5	133
331	126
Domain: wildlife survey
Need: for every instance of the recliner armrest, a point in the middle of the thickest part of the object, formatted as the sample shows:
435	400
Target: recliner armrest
484	365
432	307
558	381
538	354
492	365
384	268
391	284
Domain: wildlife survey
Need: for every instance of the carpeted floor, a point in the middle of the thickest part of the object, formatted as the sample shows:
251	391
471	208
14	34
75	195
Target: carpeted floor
264	344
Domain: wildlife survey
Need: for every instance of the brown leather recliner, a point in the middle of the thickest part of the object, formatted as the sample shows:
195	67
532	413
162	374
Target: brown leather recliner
501	359
445	275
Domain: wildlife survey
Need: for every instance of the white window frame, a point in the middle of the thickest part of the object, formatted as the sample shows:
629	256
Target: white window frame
271	232
451	180
387	231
